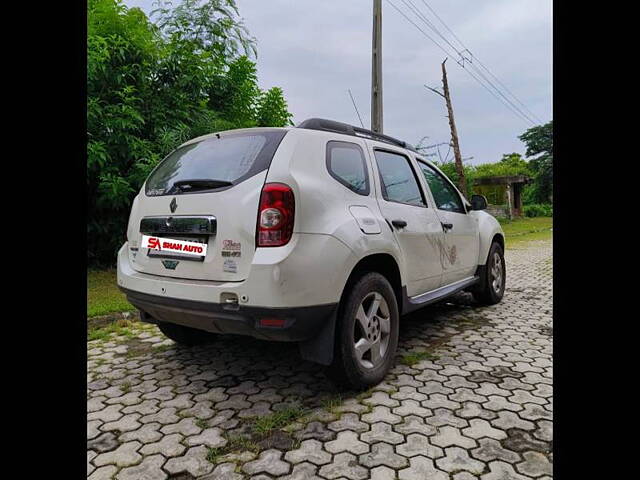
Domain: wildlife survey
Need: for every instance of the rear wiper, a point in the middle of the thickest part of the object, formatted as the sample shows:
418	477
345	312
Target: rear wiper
200	184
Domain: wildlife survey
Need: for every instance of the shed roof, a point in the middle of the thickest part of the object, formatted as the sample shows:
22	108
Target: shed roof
504	180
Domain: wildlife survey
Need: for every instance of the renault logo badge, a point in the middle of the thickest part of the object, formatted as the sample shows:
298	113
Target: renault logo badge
173	205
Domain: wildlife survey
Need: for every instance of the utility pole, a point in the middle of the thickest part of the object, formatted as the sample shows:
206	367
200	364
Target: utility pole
462	182
376	68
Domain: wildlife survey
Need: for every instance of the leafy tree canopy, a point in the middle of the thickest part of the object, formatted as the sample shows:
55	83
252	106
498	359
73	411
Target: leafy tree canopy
153	84
539	142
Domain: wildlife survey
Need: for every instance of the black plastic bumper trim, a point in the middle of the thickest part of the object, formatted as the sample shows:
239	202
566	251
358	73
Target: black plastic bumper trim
301	323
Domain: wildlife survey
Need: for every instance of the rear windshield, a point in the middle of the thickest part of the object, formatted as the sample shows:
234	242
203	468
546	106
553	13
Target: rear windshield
232	158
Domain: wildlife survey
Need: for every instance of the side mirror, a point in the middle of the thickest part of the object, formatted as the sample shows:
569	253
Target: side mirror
478	202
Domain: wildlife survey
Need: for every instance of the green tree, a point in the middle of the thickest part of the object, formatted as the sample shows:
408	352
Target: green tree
152	86
272	109
539	142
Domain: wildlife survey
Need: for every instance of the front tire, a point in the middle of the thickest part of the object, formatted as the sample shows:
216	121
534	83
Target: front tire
184	335
492	286
366	333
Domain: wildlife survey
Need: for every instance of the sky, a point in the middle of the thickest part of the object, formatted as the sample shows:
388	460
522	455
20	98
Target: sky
317	50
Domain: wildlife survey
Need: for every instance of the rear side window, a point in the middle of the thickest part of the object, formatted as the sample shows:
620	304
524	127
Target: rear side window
444	194
231	157
399	183
346	163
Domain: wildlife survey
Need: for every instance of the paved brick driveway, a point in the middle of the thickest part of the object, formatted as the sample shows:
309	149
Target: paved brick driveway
477	405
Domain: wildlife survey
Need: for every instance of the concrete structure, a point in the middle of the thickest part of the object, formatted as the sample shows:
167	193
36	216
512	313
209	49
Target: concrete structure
509	196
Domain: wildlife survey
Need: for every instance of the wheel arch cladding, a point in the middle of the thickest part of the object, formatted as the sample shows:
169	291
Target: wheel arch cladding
320	349
498	238
385	265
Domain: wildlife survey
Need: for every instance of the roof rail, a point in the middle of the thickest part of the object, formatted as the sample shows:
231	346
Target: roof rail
346	129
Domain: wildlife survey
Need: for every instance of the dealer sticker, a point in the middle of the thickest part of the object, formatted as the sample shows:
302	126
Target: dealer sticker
230	266
231	248
174	245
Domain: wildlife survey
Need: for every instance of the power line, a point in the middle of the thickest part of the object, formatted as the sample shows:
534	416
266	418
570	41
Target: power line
479	62
509	105
430	25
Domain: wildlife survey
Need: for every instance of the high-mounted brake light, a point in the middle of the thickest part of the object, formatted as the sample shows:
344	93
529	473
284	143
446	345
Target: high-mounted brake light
275	215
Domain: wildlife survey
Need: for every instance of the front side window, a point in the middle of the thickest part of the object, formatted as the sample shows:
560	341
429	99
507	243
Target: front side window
445	196
399	183
213	163
346	163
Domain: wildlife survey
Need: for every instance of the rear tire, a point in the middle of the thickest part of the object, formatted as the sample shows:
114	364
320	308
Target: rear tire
491	288
185	335
366	333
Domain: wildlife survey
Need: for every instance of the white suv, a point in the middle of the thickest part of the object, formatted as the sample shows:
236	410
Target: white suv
322	234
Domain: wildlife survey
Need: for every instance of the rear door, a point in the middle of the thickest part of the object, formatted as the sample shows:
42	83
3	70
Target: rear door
206	192
416	227
460	256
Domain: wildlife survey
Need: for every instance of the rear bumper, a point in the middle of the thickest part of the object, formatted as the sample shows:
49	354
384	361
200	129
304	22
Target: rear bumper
301	323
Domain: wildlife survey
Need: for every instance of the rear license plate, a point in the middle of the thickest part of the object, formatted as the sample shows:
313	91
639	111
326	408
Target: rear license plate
164	246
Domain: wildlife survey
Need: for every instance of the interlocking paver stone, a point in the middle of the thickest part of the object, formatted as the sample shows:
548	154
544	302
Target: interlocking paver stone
194	461
123	456
103	473
413	424
456	459
124	424
412	407
108	414
482	410
302	471
481	428
382	432
381	414
169	446
383	473
383	454
347	441
103	443
309	451
318	431
149	469
148	433
448	436
417	444
348	421
186	426
502	471
344	465
90	456
269	461
535	464
491	449
422	468
507	420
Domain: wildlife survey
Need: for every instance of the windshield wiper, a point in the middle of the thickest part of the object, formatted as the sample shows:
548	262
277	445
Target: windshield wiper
200	184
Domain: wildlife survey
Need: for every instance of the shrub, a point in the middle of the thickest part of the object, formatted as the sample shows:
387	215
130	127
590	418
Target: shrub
538	210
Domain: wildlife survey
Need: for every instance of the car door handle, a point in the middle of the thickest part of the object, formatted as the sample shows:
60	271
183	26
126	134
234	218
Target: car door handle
447	226
399	223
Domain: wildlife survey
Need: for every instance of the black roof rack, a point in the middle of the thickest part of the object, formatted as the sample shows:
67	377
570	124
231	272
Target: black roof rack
346	129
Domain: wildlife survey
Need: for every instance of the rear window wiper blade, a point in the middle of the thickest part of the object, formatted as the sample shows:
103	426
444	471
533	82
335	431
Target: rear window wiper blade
200	183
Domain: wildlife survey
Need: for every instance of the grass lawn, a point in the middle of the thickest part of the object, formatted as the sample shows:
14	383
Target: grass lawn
521	231
103	295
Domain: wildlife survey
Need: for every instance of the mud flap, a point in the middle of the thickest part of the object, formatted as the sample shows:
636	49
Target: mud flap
481	272
319	349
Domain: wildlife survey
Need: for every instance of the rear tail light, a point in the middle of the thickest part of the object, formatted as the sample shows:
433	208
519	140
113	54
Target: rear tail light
275	215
